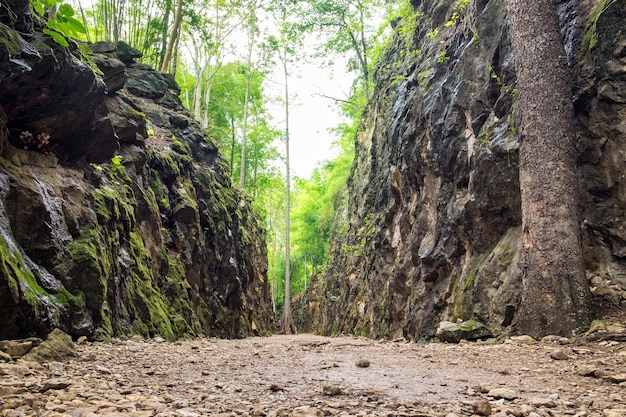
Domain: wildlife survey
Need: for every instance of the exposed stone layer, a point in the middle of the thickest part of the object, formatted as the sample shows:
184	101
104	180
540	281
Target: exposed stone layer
125	220
429	228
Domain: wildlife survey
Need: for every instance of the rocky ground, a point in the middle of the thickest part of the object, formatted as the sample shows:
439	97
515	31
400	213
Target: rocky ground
308	375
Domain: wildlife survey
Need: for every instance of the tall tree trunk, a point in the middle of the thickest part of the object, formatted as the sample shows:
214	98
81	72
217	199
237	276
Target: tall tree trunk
178	18
165	23
289	327
555	298
364	49
232	147
246	105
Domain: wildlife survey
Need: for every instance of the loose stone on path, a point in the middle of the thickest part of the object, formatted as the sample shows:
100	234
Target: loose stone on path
307	375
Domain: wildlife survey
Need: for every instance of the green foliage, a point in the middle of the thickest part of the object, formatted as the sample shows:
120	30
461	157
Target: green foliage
506	89
116	165
459	8
60	23
590	39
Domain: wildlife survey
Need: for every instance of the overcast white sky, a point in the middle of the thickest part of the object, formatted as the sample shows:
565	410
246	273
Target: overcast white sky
311	116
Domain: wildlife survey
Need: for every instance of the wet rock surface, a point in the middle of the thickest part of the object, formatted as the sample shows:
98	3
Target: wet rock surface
117	213
309	375
429	228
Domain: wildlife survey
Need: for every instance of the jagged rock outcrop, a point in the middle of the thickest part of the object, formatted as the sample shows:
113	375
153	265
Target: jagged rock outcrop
429	228
117	215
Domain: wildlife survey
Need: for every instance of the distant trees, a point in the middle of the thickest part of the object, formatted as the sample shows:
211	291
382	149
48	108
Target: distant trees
225	88
345	26
284	45
555	297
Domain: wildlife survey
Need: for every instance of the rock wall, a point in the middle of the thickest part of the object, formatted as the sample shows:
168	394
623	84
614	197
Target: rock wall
429	227
117	215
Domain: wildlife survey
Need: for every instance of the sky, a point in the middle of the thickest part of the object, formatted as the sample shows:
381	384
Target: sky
311	115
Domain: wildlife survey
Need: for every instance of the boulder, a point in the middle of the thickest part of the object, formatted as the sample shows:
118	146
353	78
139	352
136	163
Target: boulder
58	346
467	330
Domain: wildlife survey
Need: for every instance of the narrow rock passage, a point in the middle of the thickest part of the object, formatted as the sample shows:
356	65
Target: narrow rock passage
309	375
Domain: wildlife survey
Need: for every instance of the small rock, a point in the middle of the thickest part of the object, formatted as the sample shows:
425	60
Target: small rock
332	390
306	411
615	412
276	388
16	348
607	293
81	340
15	370
55	383
507	394
586	370
258	412
481	407
187	413
362	363
5	357
542	402
556	340
614	378
279	412
597	326
559	355
467	330
523	340
57	346
103	370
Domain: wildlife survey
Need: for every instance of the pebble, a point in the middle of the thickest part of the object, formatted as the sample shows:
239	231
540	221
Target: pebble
207	377
523	340
543	402
362	363
507	394
559	355
306	411
482	407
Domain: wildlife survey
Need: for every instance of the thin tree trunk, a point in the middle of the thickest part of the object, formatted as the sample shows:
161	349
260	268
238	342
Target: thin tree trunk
82	15
555	298
165	23
255	171
289	327
178	18
232	147
366	75
246	104
197	95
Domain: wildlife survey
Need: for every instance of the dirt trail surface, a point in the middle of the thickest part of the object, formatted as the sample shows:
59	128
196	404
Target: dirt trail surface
308	375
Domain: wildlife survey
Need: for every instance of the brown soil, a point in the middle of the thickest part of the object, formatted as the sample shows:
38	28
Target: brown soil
282	374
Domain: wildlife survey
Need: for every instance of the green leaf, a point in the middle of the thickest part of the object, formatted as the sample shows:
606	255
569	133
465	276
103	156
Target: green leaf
65	10
58	38
76	25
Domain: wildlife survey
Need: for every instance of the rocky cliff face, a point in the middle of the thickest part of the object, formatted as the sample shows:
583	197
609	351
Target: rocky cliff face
429	228
116	212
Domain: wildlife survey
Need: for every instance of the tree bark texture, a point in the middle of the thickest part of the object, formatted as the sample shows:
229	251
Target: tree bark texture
555	298
178	18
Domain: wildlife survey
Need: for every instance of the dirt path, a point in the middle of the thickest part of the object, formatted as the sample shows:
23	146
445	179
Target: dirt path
310	375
